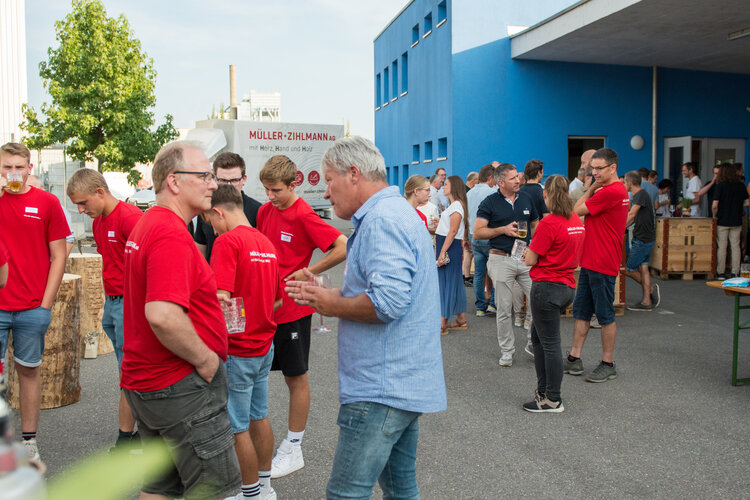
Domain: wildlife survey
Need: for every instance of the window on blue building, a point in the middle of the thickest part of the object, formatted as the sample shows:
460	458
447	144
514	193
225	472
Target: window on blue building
415	154
405	170
396	178
415	35
394	68
377	91
428	151
442	14
404	73
386	94
388	174
427	25
442	149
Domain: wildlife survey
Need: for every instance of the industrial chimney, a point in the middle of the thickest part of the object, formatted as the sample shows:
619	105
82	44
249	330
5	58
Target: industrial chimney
232	93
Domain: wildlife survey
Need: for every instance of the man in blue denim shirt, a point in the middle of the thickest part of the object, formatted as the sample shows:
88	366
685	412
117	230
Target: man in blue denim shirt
389	352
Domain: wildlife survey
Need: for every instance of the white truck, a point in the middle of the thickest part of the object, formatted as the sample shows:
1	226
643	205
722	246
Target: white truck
255	141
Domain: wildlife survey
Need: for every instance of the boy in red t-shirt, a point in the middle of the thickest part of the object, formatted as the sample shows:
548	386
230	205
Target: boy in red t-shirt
605	205
34	230
296	231
245	265
113	222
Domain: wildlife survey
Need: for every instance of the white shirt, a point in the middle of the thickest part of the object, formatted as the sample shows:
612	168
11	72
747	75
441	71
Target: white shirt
574	184
430	211
435	198
664	209
694	185
445	223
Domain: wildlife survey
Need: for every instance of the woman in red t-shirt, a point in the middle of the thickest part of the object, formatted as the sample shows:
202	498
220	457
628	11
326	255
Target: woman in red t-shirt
417	192
554	253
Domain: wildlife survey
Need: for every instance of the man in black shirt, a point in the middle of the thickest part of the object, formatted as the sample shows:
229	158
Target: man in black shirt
641	214
229	168
728	207
533	173
497	220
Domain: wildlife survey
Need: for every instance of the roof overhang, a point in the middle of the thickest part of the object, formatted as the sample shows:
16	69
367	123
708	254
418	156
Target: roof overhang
686	34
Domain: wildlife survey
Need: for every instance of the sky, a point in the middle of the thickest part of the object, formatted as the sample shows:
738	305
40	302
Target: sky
317	53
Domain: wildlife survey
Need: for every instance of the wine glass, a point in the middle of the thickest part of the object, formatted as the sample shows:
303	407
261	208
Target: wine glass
322	281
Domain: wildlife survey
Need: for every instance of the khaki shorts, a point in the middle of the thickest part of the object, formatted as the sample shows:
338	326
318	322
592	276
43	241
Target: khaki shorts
191	415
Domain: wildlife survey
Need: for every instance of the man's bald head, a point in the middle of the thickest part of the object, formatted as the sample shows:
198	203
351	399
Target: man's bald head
586	157
35	181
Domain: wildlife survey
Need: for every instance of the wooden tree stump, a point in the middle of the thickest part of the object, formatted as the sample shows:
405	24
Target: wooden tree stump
89	267
61	362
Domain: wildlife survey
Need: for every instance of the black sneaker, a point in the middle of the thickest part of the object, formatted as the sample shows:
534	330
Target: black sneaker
131	443
543	405
721	277
656	296
640	307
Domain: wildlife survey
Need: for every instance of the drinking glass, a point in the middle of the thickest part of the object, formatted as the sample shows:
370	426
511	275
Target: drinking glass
15	181
322	281
234	315
523	228
519	247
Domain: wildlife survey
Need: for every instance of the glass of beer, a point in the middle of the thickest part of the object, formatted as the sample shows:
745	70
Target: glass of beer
323	281
523	228
15	181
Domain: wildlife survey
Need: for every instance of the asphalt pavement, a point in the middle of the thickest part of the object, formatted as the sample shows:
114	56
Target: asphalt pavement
670	426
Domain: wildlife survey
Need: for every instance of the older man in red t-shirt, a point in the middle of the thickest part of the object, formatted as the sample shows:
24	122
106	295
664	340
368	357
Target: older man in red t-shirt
605	205
175	334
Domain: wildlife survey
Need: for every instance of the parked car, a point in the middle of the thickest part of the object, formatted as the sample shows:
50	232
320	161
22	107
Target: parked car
143	199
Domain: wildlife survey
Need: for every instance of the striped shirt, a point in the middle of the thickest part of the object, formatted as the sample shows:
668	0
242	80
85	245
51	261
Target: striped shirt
398	362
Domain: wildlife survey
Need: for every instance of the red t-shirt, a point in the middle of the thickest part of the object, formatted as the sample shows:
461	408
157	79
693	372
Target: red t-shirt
605	229
246	266
295	232
29	222
559	242
424	218
163	264
111	232
3	253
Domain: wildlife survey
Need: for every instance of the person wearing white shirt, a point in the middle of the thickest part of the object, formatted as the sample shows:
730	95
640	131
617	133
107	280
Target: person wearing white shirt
585	163
694	185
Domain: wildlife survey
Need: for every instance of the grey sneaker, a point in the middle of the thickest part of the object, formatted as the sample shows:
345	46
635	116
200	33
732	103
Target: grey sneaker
518	320
481	314
602	373
656	296
594	322
506	359
572	367
491	310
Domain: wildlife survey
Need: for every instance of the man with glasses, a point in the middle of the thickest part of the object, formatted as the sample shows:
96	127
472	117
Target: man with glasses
605	205
229	168
175	336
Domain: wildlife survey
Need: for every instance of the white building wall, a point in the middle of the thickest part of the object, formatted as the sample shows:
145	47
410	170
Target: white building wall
13	89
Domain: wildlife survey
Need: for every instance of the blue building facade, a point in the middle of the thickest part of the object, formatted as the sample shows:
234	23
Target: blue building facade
468	102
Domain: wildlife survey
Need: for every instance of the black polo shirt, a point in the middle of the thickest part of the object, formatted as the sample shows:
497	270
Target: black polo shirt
536	192
498	211
204	233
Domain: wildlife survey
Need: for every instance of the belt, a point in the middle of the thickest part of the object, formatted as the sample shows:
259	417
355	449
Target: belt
114	297
499	252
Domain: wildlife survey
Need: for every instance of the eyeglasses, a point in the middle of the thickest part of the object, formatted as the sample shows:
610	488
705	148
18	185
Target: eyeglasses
234	182
599	169
422	189
206	177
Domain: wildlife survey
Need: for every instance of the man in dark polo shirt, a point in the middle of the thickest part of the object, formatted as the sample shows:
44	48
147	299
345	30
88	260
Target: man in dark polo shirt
229	168
497	220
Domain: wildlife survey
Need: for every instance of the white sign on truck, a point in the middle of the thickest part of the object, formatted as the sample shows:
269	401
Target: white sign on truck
256	142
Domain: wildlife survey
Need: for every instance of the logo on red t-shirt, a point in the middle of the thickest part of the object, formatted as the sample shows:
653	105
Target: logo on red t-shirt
299	178
313	178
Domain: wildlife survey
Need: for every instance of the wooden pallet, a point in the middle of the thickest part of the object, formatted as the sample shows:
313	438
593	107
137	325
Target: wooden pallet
687	275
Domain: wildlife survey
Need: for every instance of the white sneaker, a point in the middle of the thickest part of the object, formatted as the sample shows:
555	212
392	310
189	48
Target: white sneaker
32	449
527	323
506	359
269	494
287	460
518	321
529	349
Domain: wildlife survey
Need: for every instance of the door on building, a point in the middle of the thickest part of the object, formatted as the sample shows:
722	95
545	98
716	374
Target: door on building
577	144
704	151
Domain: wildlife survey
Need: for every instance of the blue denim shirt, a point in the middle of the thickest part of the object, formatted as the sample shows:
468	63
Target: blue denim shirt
398	362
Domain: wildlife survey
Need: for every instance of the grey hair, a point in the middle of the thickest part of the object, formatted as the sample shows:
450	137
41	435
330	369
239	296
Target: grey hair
502	170
356	151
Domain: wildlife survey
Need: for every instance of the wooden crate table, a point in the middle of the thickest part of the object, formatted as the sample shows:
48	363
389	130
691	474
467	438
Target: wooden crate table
89	267
61	361
685	246
735	292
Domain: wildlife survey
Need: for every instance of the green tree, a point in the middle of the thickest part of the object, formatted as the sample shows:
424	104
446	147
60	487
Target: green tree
102	87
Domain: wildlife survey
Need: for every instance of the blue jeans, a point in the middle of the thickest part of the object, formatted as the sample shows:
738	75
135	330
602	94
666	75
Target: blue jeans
29	329
376	443
481	251
248	389
112	325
